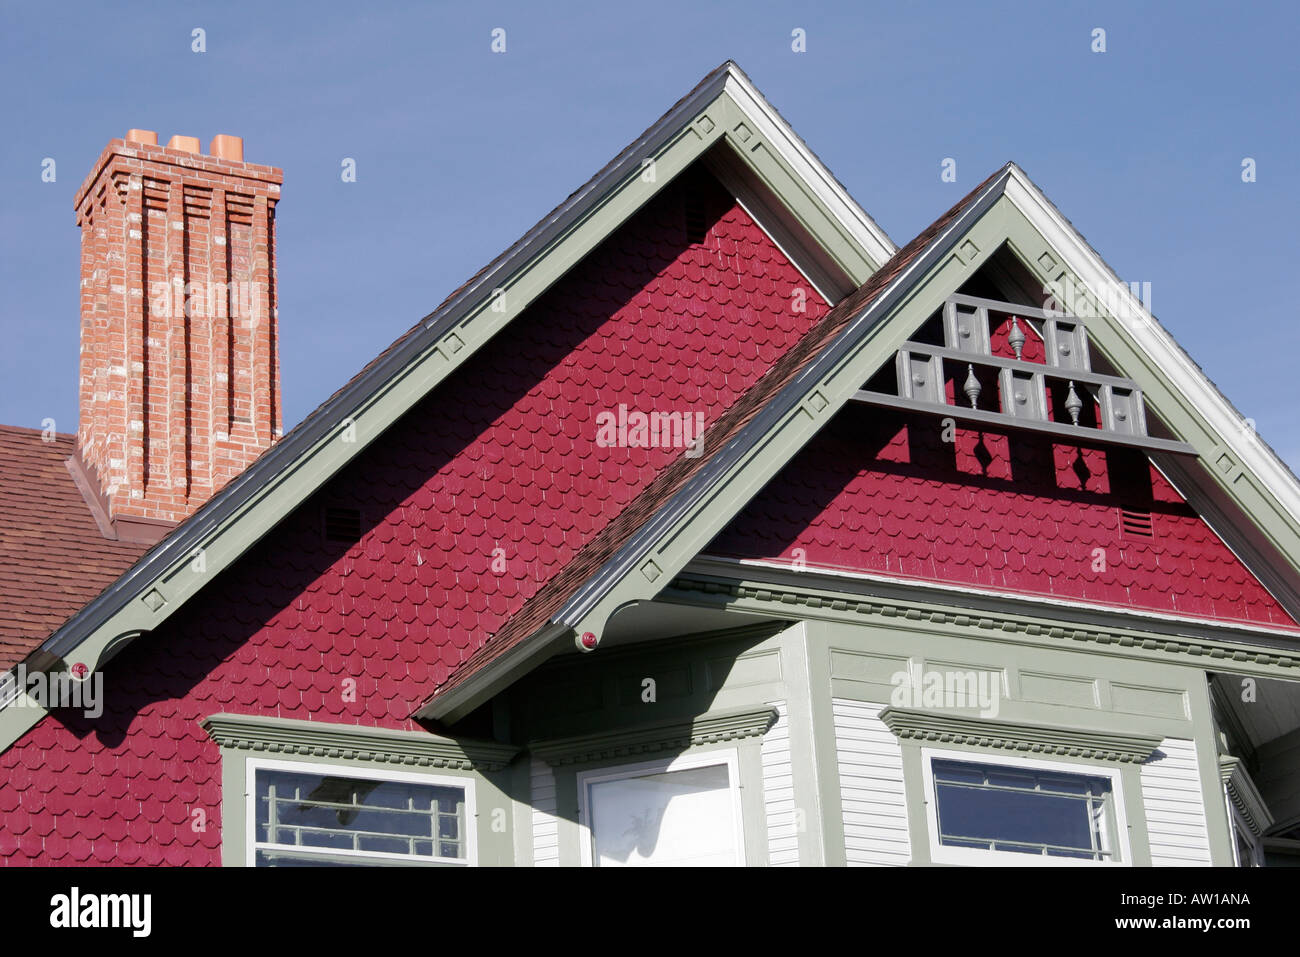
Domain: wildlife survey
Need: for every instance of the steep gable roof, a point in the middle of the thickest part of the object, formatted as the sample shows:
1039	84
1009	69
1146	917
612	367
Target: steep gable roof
688	501
502	461
1234	481
724	124
610	556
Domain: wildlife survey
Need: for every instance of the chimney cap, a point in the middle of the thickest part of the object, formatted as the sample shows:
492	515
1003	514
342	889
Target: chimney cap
188	144
147	137
225	146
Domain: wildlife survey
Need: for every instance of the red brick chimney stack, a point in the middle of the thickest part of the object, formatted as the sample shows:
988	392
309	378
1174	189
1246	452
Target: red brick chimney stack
180	377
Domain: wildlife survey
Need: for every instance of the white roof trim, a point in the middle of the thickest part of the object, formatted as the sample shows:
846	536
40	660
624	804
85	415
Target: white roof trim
795	151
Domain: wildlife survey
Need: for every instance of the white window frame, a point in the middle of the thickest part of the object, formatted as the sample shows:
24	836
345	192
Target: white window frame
683	762
253	765
947	854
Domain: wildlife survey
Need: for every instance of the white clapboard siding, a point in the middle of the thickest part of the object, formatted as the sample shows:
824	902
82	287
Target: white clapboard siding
778	793
1175	807
546	829
871	785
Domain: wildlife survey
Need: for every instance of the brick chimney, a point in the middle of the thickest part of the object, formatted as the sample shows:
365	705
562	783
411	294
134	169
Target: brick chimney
180	377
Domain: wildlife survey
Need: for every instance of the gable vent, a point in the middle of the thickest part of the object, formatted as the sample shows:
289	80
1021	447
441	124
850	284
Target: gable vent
342	524
1135	524
697	218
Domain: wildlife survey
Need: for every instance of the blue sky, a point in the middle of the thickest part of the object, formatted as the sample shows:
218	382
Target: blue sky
460	150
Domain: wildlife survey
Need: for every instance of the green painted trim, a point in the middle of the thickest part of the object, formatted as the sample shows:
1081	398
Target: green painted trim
518	790
762	597
1135	812
1129	775
918	821
17	719
357	749
753	805
714	728
805	766
780	181
1244	795
858	661
569	832
234	797
1218	818
826	755
940	728
350	743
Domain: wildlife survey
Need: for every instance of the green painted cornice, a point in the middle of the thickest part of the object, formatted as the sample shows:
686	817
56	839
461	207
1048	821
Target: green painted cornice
1244	795
350	743
713	728
1203	652
940	728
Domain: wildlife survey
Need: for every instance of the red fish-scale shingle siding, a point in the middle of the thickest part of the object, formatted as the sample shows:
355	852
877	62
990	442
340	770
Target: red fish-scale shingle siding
501	461
880	492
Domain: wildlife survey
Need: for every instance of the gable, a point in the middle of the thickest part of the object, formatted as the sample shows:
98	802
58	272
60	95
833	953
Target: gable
879	492
468	506
689	501
724	122
1201	446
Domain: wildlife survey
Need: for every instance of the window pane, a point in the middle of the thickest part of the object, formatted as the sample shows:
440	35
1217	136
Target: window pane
679	818
327	813
1020	810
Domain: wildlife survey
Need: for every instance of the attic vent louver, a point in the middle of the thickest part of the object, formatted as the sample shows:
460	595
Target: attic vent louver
697	218
342	524
1135	524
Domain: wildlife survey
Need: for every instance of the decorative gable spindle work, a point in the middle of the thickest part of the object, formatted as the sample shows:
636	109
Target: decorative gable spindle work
1048	396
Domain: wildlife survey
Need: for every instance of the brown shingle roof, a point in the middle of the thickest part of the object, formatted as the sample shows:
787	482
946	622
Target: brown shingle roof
53	557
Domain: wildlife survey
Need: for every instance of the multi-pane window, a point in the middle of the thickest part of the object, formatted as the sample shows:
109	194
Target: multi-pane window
1022	810
306	818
